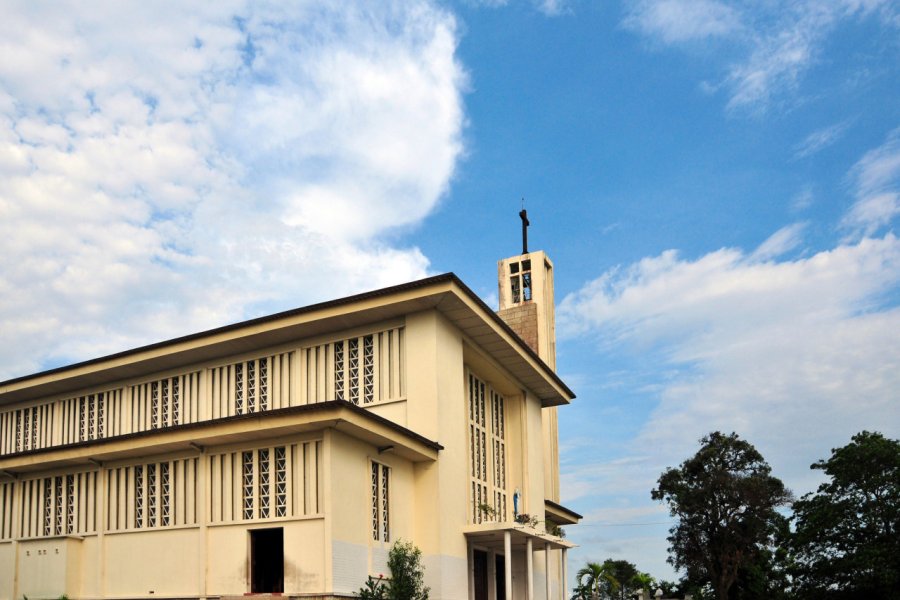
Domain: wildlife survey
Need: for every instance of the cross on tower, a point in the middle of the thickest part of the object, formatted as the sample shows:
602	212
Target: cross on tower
523	214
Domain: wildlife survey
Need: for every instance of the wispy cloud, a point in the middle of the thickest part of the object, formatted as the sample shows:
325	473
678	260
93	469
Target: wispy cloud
782	241
820	139
777	42
876	179
674	21
166	171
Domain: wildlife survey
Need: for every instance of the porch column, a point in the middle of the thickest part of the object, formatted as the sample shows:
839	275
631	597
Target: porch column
565	573
507	563
547	569
529	568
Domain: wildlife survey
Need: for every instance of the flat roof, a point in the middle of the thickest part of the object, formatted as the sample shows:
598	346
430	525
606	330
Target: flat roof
446	293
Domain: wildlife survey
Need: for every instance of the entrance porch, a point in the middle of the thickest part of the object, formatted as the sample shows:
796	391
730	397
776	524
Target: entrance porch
512	560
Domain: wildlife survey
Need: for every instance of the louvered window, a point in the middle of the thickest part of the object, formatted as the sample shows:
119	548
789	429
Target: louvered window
381	479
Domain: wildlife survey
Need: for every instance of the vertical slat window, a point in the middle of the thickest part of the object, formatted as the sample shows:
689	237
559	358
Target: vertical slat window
251	386
487	452
266	483
6	510
247	469
381	477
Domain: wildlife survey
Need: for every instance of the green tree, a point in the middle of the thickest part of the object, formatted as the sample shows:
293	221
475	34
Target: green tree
725	500
847	534
595	580
407	580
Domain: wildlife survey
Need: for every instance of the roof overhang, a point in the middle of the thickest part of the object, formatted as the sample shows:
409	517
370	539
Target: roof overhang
342	416
491	536
445	293
559	514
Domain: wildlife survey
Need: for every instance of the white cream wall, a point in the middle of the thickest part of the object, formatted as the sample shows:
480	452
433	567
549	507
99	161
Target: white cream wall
437	410
354	554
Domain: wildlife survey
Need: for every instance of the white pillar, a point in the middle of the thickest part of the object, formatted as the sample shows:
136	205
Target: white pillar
547	569
529	565
507	563
565	573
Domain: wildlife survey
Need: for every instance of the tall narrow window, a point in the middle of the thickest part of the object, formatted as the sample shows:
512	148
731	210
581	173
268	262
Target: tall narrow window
239	388
381	477
48	506
264	384
368	369
339	370
19	435
138	496
251	387
263	495
154	405
151	495
353	358
164	499
247	484
280	482
59	506
176	401
487	452
164	405
34	427
70	503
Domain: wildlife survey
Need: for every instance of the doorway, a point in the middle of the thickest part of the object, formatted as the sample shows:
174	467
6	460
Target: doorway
267	561
481	575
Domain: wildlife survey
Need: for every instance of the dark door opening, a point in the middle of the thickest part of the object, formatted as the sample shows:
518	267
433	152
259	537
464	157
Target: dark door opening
480	574
500	570
267	561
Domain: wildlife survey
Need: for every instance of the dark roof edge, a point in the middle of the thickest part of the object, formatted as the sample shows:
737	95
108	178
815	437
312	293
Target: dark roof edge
290	410
499	321
235	326
387	291
562	508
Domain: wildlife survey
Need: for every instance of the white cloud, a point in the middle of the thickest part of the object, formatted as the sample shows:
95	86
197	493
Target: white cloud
794	355
876	179
166	171
675	21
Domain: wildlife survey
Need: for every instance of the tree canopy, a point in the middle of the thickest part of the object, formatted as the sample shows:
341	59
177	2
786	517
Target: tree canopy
847	538
725	500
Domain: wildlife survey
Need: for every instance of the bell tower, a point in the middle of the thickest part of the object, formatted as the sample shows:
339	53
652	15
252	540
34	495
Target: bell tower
525	285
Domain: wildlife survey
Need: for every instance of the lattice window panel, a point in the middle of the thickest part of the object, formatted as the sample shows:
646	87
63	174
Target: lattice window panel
139	493
265	483
251	386
380	484
165	402
159	494
247	472
91	417
363	369
280	481
487	451
165	495
54	506
25	429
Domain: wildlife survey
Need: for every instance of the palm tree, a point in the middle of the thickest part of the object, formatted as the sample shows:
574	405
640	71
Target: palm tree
595	582
642	581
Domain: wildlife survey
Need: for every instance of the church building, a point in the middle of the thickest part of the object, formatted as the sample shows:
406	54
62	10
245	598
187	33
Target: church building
286	454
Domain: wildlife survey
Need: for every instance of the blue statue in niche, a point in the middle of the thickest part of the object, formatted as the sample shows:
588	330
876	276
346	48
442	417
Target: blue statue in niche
516	503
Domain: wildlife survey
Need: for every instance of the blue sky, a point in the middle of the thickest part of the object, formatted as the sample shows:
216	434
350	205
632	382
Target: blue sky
717	183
